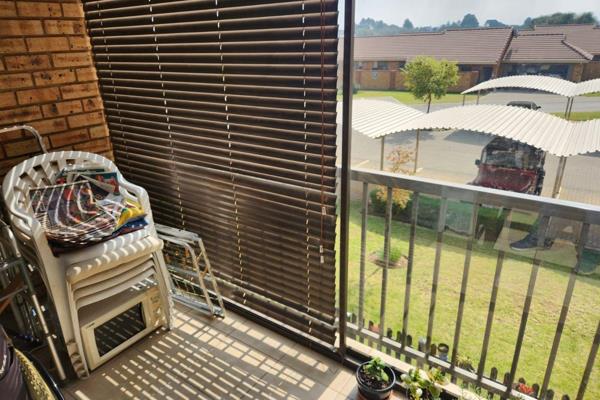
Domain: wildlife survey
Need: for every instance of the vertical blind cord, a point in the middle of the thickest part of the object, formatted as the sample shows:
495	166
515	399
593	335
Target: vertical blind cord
307	219
323	209
231	173
174	172
112	79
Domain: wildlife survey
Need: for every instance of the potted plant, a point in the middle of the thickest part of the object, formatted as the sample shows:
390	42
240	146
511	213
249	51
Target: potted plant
375	379
443	350
428	387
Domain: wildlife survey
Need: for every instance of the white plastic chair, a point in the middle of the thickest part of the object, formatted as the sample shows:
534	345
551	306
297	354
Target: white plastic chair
63	273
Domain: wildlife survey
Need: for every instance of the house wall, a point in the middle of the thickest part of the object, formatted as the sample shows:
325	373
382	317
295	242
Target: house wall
368	78
591	70
47	80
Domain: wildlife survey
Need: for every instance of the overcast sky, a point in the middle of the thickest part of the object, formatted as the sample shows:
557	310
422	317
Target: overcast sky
436	12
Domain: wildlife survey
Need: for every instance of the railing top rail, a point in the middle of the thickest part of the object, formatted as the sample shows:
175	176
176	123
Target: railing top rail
475	194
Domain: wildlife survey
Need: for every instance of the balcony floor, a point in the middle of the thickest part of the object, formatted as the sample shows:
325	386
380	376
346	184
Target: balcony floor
216	359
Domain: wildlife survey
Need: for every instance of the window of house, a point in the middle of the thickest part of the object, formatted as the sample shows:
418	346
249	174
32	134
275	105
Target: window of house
380	65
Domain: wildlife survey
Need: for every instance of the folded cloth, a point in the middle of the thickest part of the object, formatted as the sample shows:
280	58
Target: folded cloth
85	207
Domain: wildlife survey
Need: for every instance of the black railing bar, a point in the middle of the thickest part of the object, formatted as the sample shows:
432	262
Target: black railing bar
583	236
463	286
544	220
363	250
387	242
492	305
589	365
460	373
347	90
409	266
547	206
441	226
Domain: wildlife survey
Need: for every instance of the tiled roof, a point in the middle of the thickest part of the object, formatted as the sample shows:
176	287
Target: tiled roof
586	37
468	46
540	47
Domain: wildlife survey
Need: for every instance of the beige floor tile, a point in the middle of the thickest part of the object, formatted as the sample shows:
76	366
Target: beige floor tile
202	358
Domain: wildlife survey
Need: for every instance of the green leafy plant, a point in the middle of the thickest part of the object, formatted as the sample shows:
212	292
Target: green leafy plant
428	78
375	369
424	387
395	255
465	362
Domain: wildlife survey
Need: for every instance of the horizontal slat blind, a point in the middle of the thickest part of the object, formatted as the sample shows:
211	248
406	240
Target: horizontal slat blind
225	111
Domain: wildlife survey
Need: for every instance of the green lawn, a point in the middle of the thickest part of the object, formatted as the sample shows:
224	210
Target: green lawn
407	97
581	115
546	305
597	94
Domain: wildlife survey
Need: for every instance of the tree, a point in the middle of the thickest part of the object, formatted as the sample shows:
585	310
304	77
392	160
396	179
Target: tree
493	23
469	21
528	23
564	18
427	78
408	25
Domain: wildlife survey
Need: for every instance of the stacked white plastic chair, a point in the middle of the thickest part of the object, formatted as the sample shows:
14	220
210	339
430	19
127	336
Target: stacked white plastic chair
91	274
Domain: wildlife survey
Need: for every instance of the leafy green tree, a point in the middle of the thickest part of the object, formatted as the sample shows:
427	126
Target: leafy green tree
469	21
493	23
408	25
428	78
564	18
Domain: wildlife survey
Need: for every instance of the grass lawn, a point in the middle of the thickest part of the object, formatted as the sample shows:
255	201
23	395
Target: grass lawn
597	94
545	309
407	97
581	115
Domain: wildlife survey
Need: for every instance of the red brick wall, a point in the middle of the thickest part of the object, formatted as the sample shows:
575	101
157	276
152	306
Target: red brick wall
47	80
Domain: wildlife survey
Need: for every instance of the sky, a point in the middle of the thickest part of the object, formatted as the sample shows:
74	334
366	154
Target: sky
437	12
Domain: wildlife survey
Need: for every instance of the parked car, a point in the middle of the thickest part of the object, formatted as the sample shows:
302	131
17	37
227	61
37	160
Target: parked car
510	165
524	104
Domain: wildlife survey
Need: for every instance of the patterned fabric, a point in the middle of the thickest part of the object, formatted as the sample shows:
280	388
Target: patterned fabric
84	207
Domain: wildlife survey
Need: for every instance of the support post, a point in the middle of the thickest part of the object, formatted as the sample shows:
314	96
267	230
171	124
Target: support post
417	152
571	108
478	93
464	98
382	155
348	78
560	172
567	107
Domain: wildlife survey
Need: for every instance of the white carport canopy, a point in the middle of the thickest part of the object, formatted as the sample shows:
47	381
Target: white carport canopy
549	84
378	118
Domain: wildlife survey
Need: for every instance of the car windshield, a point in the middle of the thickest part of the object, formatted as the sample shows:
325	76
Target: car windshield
519	157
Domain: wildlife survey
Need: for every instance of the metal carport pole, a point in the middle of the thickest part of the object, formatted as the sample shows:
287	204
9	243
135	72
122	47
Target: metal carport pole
381	158
562	162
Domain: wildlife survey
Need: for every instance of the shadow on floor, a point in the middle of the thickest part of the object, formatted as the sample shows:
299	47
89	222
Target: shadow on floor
211	359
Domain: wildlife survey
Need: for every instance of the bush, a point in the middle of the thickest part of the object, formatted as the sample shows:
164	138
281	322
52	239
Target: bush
400	199
458	216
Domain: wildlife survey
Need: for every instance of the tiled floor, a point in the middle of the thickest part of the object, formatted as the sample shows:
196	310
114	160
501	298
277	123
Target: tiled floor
205	359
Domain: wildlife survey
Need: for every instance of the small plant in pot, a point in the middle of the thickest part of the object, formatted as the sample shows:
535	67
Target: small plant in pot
419	387
375	379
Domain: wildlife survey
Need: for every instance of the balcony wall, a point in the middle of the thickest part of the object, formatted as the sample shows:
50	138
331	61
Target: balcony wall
47	80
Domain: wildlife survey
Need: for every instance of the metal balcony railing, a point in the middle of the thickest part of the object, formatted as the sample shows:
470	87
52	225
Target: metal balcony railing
564	241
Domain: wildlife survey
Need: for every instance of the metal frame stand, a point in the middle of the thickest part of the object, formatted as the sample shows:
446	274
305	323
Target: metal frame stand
13	259
189	268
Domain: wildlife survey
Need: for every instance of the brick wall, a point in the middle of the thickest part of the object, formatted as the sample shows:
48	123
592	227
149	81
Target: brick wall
47	80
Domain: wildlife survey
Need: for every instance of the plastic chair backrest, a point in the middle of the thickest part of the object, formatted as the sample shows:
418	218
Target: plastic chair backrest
40	171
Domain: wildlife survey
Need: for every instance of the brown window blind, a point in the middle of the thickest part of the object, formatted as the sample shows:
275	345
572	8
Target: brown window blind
225	111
